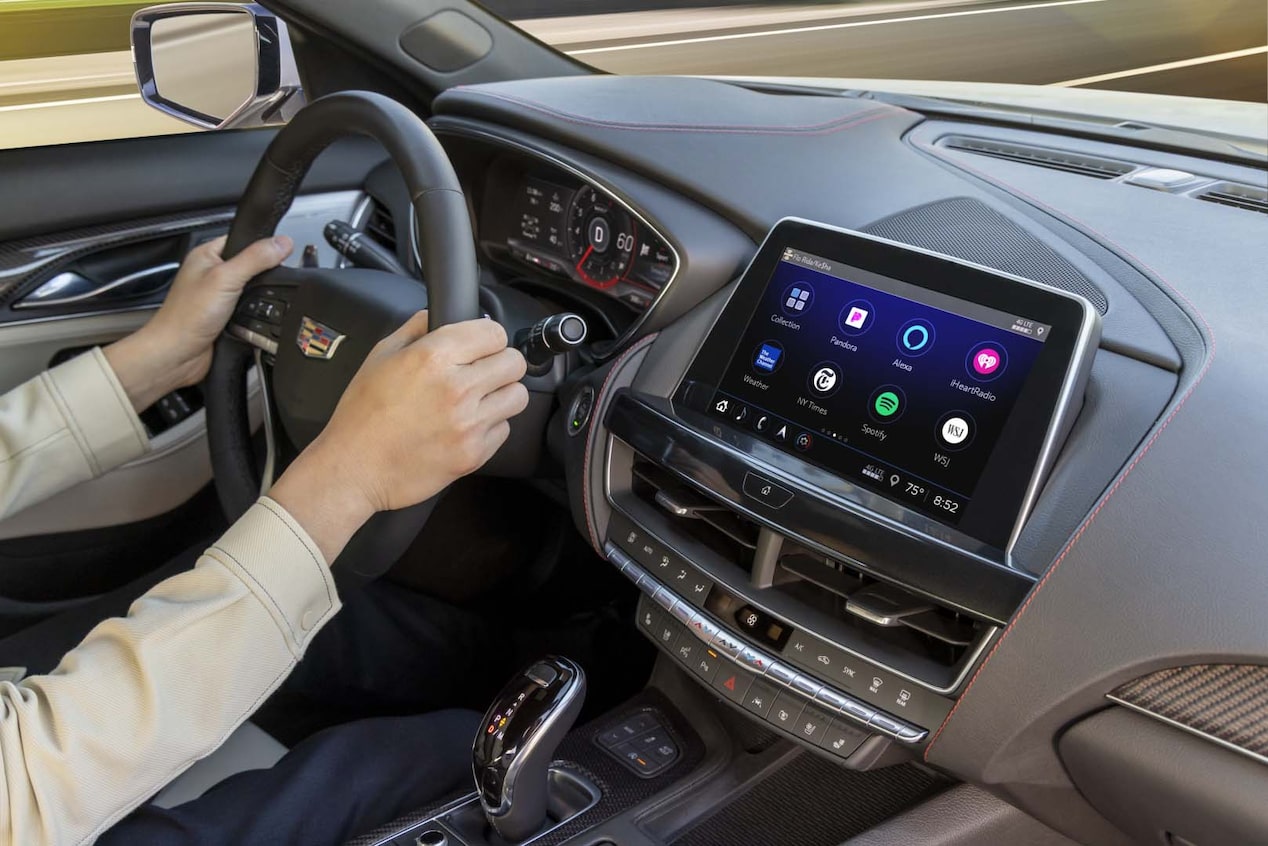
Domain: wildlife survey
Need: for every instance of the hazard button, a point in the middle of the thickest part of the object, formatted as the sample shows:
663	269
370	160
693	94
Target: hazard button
733	683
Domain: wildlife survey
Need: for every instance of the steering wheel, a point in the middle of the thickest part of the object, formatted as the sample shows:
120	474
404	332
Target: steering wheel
311	328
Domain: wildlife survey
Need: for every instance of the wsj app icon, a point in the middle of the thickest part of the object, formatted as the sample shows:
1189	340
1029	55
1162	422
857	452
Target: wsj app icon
769	356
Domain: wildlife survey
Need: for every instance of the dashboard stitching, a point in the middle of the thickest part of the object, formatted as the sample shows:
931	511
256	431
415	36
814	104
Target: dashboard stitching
594	428
826	128
1210	359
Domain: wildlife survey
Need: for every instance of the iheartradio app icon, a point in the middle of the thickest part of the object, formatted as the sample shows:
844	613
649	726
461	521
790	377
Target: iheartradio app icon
986	361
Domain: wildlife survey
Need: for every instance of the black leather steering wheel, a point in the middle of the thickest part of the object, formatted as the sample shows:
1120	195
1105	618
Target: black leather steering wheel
311	328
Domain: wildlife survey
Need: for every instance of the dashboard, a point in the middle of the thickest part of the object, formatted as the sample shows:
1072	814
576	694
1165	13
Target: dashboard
990	586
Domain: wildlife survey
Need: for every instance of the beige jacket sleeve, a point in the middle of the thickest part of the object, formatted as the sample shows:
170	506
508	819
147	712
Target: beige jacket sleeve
144	696
66	426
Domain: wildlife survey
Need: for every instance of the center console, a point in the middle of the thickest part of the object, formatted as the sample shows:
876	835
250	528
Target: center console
821	515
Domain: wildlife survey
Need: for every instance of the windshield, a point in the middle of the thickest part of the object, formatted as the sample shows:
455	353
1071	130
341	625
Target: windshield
1215	49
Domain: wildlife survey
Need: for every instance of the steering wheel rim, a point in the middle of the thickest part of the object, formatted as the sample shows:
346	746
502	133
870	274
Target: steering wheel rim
442	226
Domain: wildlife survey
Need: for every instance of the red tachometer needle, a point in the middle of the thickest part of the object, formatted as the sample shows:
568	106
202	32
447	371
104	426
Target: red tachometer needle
584	256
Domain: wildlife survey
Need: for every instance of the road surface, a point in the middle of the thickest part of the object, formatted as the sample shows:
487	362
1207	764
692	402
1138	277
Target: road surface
1201	48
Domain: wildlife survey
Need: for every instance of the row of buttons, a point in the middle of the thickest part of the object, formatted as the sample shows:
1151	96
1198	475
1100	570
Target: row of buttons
640	742
783	708
705	647
666	566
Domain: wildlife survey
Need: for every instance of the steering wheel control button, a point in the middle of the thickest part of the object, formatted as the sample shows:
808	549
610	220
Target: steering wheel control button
732	683
887	403
986	361
765	491
841	738
769	357
857	317
916	337
760	697
825	379
797	300
955	430
785	711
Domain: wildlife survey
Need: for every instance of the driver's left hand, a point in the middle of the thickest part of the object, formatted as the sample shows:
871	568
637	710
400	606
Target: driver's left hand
174	349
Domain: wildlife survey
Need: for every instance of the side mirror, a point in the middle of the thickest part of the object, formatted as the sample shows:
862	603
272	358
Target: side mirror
216	65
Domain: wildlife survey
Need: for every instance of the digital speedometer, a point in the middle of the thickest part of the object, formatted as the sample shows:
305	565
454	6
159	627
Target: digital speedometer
601	238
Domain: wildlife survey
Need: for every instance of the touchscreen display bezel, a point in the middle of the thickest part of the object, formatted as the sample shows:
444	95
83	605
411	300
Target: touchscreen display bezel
1042	411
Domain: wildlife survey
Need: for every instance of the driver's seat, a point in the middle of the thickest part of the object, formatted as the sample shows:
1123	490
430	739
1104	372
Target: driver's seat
248	748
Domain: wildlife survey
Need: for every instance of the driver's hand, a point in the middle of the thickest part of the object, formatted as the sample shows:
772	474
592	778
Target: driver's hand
424	409
174	349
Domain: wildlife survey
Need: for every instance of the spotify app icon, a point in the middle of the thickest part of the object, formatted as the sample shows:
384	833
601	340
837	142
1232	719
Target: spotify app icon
887	403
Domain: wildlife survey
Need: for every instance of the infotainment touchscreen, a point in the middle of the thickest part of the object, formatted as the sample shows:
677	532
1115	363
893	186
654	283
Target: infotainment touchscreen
928	381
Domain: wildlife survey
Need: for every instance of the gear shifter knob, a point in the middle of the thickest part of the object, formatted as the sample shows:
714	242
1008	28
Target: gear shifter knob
517	741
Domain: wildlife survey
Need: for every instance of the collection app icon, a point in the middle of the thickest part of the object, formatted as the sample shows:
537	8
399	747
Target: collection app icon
916	337
857	317
797	299
825	378
986	361
887	403
768	357
955	430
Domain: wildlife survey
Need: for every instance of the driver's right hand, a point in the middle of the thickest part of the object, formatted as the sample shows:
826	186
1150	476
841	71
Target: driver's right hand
425	409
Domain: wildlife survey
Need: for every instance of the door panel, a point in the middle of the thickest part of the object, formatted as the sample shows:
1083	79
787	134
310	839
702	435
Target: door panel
106	212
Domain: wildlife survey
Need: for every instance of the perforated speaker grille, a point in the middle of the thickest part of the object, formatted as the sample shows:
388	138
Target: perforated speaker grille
973	231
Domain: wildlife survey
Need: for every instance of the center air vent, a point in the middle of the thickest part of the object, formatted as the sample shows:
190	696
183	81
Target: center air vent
882	620
1046	157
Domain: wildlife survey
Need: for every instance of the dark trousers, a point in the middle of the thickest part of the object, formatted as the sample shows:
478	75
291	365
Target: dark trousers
390	652
335	785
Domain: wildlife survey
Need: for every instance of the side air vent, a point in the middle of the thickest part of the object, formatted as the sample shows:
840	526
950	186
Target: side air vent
1248	197
1063	160
380	225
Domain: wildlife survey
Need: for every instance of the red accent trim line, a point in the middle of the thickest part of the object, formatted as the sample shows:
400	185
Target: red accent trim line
1087	523
595	416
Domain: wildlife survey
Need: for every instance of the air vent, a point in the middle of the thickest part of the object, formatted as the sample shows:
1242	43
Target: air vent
1063	160
885	619
380	225
1248	197
878	610
716	526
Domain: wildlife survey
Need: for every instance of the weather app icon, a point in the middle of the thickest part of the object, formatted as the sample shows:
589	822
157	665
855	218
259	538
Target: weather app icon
768	357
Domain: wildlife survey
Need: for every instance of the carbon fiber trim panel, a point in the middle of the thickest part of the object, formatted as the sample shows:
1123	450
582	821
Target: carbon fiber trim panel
1226	702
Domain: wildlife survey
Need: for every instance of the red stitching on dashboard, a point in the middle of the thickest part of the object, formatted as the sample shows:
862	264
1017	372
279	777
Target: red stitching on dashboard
1210	359
594	428
825	128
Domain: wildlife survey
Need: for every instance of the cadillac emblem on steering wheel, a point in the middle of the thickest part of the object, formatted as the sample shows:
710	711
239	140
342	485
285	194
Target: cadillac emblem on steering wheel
317	340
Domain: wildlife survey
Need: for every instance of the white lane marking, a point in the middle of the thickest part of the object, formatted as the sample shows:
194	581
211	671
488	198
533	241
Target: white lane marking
1166	66
57	104
824	27
117	78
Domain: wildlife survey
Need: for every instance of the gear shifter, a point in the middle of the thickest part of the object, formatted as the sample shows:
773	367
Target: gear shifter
517	741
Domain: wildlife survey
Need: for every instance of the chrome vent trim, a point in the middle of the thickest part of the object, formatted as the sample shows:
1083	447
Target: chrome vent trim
1081	164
